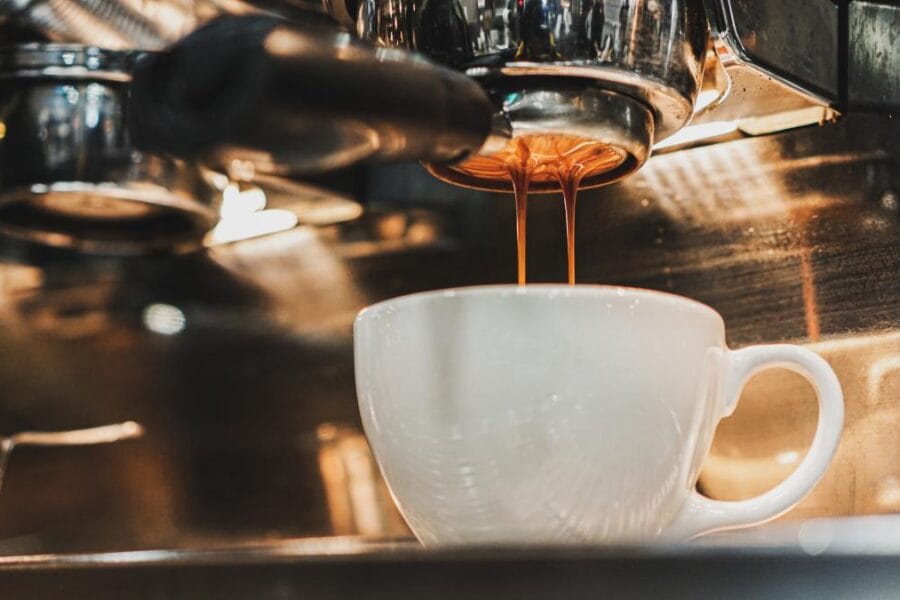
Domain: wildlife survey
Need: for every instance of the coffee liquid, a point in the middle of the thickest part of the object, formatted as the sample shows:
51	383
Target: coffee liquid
541	154
564	160
569	175
520	176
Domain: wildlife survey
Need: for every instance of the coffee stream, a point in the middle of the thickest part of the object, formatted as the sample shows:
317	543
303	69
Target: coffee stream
570	175
520	176
564	159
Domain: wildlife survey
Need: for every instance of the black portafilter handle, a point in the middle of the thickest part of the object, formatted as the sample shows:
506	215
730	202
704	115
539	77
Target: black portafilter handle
300	97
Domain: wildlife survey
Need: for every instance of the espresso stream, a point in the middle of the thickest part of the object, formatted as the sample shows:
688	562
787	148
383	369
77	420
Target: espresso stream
565	159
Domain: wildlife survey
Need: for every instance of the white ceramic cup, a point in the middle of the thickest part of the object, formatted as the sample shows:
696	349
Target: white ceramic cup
555	414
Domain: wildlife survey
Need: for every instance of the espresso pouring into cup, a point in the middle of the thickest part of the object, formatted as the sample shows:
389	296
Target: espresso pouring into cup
556	414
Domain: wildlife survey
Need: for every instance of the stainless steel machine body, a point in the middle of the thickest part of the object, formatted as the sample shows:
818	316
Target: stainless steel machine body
235	359
652	50
69	174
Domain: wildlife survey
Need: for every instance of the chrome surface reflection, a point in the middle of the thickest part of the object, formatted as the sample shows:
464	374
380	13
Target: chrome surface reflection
68	171
651	49
359	502
116	24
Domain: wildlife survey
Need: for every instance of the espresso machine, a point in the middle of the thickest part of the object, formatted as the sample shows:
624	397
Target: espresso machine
197	197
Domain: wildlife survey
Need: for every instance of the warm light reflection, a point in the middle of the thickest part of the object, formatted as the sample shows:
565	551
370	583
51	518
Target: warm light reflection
878	374
810	304
274	204
785	120
748	185
325	213
284	42
391	226
358	501
298	264
16	278
104	434
264	222
164	319
787	458
312	205
706	98
309	547
889	493
238	203
695	133
6	447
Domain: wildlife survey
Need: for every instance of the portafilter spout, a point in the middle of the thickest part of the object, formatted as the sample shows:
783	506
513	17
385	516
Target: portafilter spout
560	120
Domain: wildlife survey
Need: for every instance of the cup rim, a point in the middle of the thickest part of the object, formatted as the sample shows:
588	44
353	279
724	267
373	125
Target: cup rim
598	290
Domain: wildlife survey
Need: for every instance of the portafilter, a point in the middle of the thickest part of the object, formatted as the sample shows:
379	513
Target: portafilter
624	73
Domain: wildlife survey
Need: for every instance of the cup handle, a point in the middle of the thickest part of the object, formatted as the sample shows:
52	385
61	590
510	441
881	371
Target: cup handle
700	514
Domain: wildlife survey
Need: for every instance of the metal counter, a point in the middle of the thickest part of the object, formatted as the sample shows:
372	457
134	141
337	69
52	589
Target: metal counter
344	568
